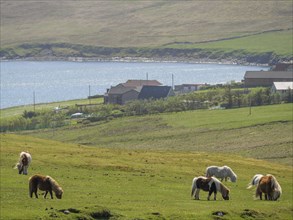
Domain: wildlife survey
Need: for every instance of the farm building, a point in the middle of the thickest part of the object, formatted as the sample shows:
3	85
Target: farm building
282	87
266	78
185	88
125	92
120	95
155	92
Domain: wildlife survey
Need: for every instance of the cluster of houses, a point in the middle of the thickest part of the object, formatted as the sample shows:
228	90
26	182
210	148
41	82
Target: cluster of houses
279	78
137	89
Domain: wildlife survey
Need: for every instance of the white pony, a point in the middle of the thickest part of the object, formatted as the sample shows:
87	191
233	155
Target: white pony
24	161
254	181
210	184
223	172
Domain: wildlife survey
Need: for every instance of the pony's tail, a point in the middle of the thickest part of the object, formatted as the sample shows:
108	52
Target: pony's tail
193	187
30	186
15	166
254	181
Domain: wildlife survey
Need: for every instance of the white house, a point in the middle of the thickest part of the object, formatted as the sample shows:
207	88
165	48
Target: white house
282	87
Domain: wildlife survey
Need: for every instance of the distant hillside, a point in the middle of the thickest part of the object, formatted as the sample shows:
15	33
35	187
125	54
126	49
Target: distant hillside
30	28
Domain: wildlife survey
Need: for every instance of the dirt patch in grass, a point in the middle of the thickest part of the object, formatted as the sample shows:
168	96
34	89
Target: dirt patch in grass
101	214
219	214
252	214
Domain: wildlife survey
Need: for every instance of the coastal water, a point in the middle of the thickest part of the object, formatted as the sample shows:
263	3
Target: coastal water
59	81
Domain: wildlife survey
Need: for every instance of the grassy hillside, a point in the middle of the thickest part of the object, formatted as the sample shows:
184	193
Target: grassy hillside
131	184
224	131
142	24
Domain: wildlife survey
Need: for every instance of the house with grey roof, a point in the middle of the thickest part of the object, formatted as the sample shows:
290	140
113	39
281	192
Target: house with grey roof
266	78
155	92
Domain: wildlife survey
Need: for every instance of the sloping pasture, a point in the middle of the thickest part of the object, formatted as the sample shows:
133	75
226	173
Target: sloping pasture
260	132
131	184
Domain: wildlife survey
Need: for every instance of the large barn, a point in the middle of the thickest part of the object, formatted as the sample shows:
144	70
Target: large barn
266	78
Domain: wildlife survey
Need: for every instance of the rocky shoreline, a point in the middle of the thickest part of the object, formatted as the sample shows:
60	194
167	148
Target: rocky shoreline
136	59
80	53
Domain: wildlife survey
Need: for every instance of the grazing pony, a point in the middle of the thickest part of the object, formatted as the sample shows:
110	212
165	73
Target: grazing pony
224	172
24	161
268	185
44	183
210	184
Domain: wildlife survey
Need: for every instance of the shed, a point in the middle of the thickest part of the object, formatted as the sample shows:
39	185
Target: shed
282	87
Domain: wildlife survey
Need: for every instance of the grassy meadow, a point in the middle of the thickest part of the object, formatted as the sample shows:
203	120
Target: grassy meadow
142	167
277	42
145	24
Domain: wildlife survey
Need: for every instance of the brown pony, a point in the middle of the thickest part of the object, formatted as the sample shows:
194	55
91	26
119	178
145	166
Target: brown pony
269	186
44	183
210	184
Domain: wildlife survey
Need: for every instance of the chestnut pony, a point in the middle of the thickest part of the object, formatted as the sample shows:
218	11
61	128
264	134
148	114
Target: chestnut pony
44	183
267	185
210	184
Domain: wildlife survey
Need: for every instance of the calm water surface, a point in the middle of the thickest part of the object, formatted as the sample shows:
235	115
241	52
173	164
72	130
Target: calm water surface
59	81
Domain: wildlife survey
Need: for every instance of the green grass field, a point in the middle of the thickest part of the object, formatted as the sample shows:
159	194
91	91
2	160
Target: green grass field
146	24
131	184
279	42
142	167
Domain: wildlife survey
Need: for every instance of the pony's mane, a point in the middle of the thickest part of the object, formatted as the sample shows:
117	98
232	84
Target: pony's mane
275	184
25	154
231	173
55	186
220	186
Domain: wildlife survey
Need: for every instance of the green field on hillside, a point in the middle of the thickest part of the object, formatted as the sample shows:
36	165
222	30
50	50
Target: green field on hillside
279	42
131	184
236	131
144	24
141	167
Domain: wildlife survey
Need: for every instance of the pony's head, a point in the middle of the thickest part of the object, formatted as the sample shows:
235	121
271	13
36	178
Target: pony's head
233	178
277	190
55	187
225	195
59	193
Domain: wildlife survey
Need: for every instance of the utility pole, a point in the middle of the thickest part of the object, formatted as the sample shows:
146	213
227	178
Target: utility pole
34	100
89	94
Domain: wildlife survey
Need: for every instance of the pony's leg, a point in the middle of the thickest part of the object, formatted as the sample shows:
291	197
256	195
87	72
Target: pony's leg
36	194
210	193
45	194
51	194
25	170
215	195
197	194
31	193
260	195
